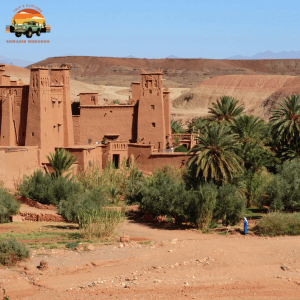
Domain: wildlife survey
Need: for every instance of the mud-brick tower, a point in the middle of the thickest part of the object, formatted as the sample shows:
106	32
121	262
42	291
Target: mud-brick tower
7	128
61	77
151	111
40	131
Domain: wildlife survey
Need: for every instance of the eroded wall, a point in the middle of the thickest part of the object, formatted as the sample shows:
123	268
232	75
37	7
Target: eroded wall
147	160
96	122
15	162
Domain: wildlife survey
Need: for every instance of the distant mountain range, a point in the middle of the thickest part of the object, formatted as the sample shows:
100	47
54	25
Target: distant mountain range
261	55
269	55
15	61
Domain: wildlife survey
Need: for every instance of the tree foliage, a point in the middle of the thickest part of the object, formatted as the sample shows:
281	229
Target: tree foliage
226	109
215	154
8	205
285	121
61	162
176	127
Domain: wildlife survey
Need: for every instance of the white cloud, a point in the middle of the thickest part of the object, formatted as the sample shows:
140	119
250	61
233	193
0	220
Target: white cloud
23	12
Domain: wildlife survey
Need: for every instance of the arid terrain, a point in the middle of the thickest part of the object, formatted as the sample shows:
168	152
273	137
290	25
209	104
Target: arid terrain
258	84
159	263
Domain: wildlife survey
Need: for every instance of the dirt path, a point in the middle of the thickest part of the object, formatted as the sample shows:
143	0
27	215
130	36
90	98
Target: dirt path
177	264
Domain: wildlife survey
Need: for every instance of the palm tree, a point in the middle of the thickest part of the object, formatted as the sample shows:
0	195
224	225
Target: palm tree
113	193
176	127
61	162
285	121
215	155
198	125
249	128
225	109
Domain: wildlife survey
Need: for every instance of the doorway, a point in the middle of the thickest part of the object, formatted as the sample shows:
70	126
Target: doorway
116	160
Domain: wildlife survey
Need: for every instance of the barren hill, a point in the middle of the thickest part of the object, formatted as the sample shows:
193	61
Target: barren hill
177	72
16	73
259	93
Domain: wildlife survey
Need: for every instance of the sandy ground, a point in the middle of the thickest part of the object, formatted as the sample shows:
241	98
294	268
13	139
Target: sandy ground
177	264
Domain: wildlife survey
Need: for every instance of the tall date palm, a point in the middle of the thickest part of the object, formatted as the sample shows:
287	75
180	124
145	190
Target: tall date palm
285	121
216	154
226	109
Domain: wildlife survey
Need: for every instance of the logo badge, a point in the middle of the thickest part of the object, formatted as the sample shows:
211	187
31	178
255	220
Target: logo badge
28	22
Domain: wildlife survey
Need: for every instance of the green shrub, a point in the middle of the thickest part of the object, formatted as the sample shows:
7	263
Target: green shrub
230	205
72	245
91	199
12	251
275	224
163	196
201	205
109	177
255	184
100	222
181	148
46	189
8	205
284	190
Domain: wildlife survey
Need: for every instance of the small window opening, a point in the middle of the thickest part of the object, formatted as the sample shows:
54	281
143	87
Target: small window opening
153	125
90	163
89	141
58	104
53	104
150	91
93	98
152	106
32	134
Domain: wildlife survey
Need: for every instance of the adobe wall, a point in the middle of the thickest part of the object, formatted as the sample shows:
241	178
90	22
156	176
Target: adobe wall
88	98
19	107
15	162
76	129
98	121
86	156
4	80
148	161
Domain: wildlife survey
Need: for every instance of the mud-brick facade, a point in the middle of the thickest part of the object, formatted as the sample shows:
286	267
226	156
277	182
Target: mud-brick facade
36	119
145	120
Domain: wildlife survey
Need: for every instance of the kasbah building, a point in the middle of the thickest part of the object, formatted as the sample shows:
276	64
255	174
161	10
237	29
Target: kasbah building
37	119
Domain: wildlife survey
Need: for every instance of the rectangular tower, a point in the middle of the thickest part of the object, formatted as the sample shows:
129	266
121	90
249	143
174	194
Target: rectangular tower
61	77
40	131
151	115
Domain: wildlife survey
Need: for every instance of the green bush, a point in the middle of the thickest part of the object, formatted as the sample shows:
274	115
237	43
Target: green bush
109	177
91	199
284	190
230	205
255	184
181	148
8	205
163	196
100	222
72	245
275	224
201	204
12	251
46	189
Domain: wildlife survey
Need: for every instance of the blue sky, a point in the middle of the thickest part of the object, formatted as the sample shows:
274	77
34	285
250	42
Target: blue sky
156	29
